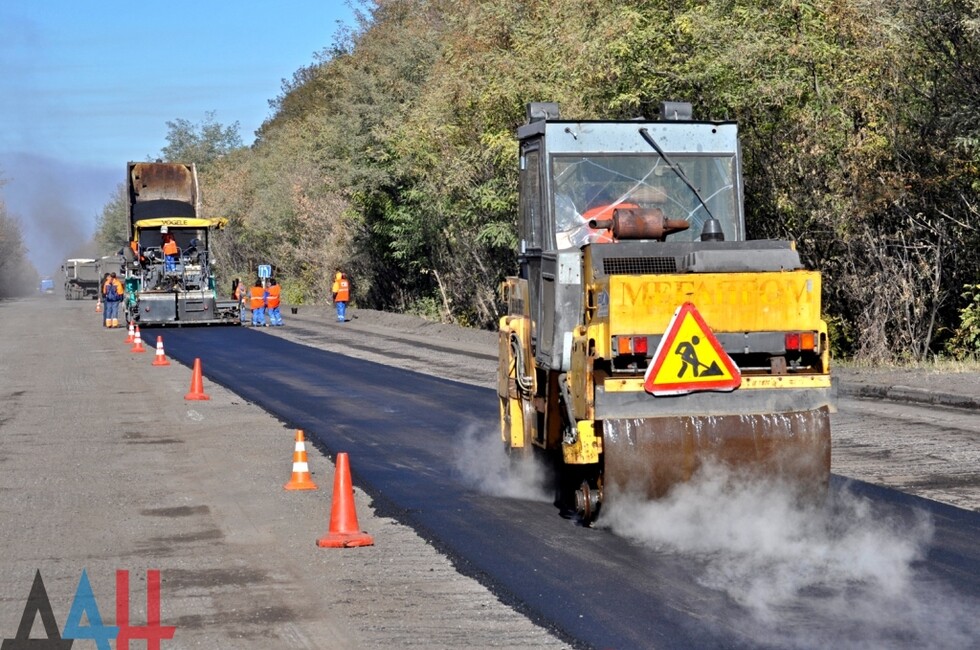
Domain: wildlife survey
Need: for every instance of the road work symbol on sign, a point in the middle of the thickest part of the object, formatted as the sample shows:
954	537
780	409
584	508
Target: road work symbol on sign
690	358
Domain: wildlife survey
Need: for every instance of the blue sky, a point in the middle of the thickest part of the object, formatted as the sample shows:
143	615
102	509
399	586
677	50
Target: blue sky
86	87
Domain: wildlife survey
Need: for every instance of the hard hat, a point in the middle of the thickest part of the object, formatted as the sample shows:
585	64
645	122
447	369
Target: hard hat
163	230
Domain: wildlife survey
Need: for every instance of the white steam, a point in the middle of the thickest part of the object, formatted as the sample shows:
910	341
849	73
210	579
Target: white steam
839	571
484	464
840	561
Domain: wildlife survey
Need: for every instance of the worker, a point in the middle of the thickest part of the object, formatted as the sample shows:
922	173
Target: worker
101	305
170	250
238	293
341	295
114	294
257	304
273	294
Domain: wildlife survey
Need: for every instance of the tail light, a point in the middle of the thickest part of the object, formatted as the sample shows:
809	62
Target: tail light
801	341
632	345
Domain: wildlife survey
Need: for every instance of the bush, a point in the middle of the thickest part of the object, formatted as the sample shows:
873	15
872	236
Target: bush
293	292
965	343
428	308
841	334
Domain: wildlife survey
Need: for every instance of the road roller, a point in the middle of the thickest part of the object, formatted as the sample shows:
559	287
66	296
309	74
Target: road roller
644	335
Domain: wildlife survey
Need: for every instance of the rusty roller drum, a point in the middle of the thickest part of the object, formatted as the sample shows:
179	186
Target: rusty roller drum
648	456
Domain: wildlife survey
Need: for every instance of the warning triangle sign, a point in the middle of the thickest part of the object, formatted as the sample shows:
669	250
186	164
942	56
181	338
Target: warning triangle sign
690	358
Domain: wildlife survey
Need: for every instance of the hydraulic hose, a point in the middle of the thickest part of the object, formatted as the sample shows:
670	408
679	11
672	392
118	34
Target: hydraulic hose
524	382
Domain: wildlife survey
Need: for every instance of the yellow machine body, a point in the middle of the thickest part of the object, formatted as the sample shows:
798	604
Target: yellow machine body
638	345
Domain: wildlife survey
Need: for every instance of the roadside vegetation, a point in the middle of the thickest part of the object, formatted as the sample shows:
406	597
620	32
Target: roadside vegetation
392	155
18	277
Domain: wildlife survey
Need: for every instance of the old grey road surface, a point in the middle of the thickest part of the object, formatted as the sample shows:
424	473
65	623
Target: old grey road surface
105	467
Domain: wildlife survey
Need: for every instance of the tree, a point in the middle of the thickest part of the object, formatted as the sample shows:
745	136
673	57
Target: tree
18	277
202	143
393	154
112	229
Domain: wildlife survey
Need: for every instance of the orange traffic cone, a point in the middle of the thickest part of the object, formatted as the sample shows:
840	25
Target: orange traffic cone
160	359
344	529
131	336
137	342
197	384
98	307
301	479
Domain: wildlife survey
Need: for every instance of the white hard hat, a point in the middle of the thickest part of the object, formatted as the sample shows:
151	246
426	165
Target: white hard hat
163	230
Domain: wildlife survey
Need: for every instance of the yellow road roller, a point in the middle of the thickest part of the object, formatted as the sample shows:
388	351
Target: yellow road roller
644	334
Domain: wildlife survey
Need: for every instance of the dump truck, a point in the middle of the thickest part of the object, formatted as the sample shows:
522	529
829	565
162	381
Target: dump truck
81	278
645	336
169	274
112	264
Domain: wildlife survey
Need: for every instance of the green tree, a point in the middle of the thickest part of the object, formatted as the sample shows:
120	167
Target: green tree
202	143
112	228
393	154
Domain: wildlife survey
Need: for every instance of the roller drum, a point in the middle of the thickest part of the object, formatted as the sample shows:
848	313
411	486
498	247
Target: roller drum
649	456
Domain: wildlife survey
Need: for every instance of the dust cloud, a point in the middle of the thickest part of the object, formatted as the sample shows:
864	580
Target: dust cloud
485	465
837	573
58	204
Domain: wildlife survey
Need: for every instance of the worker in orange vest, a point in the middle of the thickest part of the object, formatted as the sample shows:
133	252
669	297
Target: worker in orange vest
238	293
257	303
341	295
114	293
135	247
170	250
272	297
99	307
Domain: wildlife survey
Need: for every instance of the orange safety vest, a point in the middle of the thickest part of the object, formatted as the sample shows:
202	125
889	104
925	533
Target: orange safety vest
257	297
341	290
170	247
119	287
239	292
274	292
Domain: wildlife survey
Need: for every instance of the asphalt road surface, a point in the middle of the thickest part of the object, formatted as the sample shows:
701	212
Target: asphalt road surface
142	479
627	586
105	467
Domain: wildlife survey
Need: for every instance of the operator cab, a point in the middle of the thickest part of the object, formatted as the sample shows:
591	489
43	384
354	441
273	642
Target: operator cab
631	195
574	173
191	269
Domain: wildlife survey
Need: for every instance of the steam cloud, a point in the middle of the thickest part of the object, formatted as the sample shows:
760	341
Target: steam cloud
849	568
484	465
838	573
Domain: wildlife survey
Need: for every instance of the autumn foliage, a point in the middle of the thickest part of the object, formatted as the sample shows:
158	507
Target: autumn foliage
393	154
